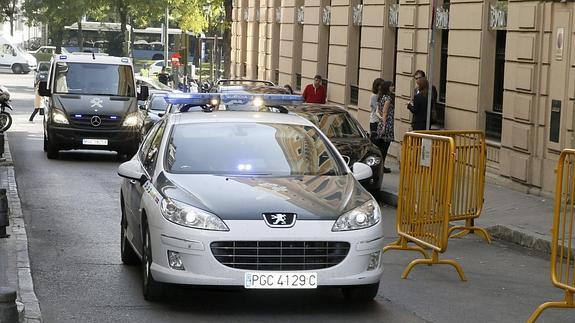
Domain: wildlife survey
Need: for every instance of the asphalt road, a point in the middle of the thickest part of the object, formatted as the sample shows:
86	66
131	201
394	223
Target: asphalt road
72	215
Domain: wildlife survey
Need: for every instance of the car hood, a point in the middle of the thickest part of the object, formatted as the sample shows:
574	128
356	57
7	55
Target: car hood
247	197
356	148
94	104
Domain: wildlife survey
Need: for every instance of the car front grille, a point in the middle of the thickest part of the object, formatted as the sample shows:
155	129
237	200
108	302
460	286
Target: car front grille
280	255
84	121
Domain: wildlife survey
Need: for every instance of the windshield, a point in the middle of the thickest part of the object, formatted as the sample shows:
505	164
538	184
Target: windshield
335	125
249	149
43	67
95	79
158	103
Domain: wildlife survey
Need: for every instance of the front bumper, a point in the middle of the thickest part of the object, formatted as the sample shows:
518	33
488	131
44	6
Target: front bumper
202	268
72	138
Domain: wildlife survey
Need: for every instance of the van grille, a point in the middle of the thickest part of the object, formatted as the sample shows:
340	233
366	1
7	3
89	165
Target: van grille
84	121
280	255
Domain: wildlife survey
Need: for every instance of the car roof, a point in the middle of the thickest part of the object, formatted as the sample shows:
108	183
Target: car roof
92	58
316	108
253	89
238	117
225	82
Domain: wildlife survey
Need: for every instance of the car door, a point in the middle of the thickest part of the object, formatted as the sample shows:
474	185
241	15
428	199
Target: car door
148	156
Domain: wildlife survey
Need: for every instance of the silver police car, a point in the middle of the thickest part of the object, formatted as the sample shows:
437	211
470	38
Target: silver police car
258	200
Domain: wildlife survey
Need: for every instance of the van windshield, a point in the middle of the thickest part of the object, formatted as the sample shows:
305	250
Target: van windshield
95	79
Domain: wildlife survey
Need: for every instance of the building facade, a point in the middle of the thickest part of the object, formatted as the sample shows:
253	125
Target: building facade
505	67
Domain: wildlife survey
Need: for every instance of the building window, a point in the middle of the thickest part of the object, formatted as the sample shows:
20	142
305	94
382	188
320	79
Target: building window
353	94
298	82
493	119
439	118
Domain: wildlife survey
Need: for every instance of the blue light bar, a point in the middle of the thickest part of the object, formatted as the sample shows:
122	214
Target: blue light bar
77	115
190	98
63	57
260	99
113	117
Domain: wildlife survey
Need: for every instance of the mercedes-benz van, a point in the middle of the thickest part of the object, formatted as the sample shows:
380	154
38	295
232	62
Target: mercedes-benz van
92	104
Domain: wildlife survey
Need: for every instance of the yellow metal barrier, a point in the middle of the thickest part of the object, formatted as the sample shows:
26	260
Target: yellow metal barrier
425	194
562	256
469	180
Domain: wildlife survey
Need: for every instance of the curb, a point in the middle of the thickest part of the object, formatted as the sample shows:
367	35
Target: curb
27	302
515	235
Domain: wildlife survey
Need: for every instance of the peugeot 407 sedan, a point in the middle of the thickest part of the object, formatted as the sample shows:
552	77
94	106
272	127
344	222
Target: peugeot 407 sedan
256	200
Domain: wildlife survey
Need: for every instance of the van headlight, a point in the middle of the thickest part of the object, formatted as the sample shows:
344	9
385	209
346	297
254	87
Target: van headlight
372	160
59	117
361	217
132	120
191	217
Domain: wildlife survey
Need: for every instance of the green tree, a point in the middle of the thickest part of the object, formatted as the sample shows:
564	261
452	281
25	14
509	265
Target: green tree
8	10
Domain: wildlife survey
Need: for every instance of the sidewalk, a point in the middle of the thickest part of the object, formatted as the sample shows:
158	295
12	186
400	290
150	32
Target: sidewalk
508	215
14	259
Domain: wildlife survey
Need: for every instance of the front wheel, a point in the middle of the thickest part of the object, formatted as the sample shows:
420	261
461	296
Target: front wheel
5	121
152	290
51	150
362	293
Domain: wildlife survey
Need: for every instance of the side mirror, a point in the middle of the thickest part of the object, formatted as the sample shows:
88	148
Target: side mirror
141	107
132	170
144	93
161	114
361	171
43	88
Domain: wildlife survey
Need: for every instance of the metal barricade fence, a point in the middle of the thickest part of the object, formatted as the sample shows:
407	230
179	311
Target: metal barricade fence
425	194
469	179
562	241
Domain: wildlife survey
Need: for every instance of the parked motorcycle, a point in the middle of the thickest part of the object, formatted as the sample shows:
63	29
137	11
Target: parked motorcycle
5	117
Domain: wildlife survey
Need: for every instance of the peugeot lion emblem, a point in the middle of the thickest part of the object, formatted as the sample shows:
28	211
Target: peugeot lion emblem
280	220
96	121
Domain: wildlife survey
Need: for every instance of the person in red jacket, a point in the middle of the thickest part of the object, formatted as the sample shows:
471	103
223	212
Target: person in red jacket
314	93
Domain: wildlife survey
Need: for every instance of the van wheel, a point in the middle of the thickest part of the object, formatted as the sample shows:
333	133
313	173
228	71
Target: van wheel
51	150
17	69
45	143
361	293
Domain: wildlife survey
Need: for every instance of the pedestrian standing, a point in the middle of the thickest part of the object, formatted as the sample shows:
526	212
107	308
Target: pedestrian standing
373	105
288	88
420	75
37	102
316	92
385	114
419	106
163	77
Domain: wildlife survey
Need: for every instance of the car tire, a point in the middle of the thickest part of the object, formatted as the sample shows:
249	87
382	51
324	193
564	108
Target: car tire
17	69
361	293
45	148
129	256
51	150
152	290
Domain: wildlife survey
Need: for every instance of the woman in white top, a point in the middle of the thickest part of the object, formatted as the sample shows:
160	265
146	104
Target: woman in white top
374	104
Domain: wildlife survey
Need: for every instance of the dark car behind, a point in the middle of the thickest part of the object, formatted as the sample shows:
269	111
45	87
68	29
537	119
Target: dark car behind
345	132
42	72
153	109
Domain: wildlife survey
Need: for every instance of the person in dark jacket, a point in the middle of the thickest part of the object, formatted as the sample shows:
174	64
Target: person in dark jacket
419	106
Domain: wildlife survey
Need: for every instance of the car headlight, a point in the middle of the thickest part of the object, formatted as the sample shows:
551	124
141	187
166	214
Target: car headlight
132	120
372	160
361	217
59	117
190	216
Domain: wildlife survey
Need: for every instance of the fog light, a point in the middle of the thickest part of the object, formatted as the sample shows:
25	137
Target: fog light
175	260
373	261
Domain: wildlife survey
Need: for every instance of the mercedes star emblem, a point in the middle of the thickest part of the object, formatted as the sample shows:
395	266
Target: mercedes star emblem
96	121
